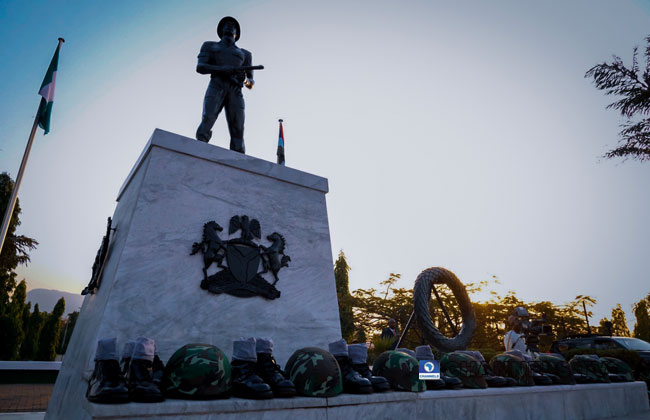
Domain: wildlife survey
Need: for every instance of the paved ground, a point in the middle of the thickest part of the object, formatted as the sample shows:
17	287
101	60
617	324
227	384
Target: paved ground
16	398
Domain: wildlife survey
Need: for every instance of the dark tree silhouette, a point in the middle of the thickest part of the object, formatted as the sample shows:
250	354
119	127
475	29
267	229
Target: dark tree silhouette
341	275
633	88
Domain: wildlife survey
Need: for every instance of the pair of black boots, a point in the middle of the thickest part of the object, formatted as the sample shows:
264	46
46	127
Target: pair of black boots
129	380
262	379
356	375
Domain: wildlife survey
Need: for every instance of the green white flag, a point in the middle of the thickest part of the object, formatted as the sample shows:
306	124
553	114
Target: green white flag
47	92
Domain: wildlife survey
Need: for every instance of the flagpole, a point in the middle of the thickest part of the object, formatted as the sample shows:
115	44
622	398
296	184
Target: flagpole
14	193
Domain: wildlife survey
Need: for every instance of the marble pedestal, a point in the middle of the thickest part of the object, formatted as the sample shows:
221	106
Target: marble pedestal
560	402
151	283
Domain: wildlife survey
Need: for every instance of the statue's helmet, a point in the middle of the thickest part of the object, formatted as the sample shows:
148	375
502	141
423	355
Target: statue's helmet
222	23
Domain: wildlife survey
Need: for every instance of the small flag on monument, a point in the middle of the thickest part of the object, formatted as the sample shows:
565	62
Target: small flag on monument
47	91
281	145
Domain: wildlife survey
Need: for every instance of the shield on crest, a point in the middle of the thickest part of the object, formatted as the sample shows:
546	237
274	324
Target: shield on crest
243	261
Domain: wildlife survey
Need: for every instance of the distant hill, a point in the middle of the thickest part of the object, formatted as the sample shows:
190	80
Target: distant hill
46	300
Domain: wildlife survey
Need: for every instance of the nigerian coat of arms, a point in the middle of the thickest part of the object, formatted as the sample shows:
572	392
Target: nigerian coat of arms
241	275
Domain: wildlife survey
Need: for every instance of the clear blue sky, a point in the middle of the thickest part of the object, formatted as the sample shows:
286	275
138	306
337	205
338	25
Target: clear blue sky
458	134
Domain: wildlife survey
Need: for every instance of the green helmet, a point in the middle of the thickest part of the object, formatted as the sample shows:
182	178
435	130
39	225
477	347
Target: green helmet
197	371
315	372
550	363
590	366
466	367
513	367
402	371
618	367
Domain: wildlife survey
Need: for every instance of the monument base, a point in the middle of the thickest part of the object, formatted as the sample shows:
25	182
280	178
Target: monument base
590	401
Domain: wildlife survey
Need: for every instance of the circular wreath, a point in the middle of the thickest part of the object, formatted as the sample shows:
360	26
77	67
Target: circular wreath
421	297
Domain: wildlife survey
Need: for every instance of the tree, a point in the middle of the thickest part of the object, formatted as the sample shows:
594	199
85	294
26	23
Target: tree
633	88
67	330
30	346
341	275
605	327
12	296
642	325
11	324
51	333
619	324
15	249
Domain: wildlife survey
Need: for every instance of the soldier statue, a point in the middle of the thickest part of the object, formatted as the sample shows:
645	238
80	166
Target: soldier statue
230	69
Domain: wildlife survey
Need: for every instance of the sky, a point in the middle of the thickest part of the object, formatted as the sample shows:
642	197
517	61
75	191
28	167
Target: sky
455	134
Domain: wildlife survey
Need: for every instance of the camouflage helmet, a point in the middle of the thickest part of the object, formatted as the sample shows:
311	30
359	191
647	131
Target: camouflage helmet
590	366
512	366
197	371
619	367
556	365
402	371
315	372
465	367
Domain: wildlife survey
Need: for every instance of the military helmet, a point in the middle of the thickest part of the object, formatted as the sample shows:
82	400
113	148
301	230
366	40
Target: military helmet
315	372
618	367
222	23
556	365
590	366
514	367
197	371
466	367
401	369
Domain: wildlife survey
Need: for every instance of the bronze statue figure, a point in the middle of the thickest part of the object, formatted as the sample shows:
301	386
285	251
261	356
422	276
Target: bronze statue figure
230	69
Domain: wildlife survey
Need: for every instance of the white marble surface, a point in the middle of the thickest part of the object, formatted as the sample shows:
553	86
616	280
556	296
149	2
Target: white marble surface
151	283
174	142
551	402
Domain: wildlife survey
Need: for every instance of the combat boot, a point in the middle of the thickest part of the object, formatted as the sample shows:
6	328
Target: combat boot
140	378
379	383
273	375
246	383
127	351
353	382
452	382
158	368
106	385
358	354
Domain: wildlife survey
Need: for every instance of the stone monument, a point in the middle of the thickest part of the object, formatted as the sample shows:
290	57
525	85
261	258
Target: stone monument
152	286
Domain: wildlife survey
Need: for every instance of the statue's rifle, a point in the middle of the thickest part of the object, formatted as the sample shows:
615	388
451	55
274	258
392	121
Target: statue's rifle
248	68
